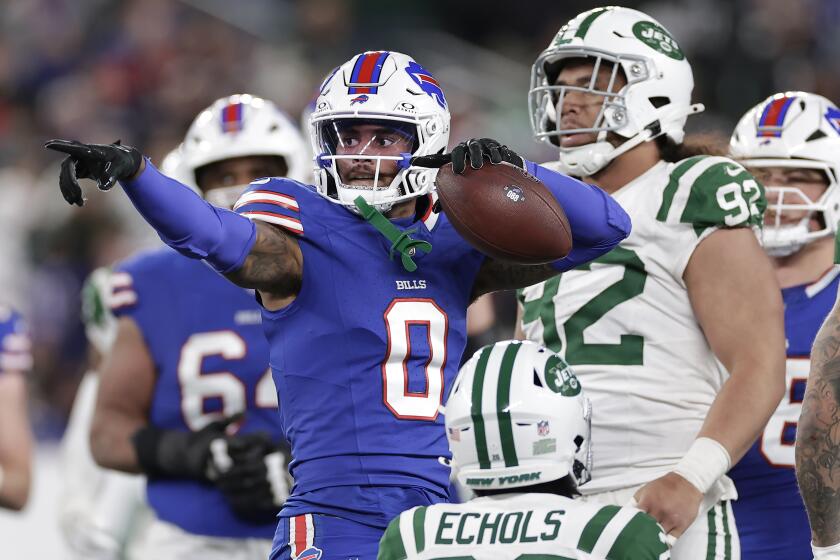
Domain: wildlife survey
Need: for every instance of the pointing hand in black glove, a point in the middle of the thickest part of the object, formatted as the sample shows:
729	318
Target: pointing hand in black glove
104	163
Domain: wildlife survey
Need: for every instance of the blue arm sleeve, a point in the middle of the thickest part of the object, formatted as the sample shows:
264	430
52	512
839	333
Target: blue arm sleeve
188	224
598	222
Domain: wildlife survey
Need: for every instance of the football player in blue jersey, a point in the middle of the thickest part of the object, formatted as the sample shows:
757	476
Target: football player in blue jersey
365	316
791	142
15	432
189	355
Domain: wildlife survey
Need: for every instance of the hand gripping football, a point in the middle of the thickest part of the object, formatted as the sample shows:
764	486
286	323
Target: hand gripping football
506	213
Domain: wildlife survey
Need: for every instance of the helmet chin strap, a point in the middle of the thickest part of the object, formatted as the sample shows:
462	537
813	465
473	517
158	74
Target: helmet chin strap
583	161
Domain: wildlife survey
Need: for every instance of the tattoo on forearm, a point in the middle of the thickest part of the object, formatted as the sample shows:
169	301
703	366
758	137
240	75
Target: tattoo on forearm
273	266
818	436
496	275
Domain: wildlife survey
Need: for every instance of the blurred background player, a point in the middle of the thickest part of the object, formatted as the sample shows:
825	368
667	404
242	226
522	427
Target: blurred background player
518	425
15	433
791	143
361	363
189	355
102	512
677	333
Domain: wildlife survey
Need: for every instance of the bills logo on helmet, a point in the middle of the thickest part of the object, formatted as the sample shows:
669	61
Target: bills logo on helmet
426	82
833	118
311	553
359	99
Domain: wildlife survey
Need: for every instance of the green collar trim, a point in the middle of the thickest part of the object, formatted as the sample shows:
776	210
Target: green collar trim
401	241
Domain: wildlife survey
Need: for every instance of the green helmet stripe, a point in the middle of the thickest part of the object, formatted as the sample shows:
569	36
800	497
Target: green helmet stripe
419	524
475	412
584	25
503	404
593	530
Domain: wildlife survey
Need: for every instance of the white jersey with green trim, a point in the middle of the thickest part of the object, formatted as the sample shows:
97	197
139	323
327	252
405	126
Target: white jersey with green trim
626	326
524	527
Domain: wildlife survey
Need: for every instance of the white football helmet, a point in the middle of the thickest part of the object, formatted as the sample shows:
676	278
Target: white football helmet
517	416
655	101
798	130
238	126
386	89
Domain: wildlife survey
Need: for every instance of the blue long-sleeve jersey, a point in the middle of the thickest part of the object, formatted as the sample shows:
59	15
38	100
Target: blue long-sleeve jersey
364	356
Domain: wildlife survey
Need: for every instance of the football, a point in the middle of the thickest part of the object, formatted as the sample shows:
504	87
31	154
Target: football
505	212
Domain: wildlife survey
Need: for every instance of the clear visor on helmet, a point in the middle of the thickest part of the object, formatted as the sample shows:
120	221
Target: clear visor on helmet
792	218
604	88
365	154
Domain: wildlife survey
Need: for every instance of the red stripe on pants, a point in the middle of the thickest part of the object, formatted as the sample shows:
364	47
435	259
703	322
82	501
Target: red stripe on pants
300	534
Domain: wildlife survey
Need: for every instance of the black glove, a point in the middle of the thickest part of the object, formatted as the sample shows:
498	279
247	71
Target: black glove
252	475
474	151
179	454
104	163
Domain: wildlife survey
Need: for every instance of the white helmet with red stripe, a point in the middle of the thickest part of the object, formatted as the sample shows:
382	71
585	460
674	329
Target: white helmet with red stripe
794	129
517	416
403	112
238	126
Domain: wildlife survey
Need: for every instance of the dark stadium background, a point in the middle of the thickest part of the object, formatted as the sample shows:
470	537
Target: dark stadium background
140	70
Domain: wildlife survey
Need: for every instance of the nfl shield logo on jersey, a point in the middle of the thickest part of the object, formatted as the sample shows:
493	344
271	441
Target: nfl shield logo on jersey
542	428
311	553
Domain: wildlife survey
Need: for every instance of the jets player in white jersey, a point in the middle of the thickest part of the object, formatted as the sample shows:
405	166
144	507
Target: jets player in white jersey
677	333
791	142
517	421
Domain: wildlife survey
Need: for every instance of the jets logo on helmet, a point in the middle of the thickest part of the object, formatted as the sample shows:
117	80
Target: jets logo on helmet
656	37
517	416
654	100
368	122
799	130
